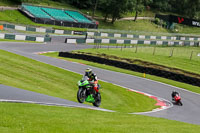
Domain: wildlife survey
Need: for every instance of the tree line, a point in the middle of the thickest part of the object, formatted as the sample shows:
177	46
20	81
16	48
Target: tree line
112	8
116	8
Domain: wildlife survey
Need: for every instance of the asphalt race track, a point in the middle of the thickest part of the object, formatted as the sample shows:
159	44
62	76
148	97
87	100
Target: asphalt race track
11	94
189	112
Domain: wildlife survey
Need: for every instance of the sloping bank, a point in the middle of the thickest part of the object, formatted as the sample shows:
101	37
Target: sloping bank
145	67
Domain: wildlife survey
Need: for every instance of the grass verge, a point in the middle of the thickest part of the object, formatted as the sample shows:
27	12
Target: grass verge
31	75
129	25
7	40
16	117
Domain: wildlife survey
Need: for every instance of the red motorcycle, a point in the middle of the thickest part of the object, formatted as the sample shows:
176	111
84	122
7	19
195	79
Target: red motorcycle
177	100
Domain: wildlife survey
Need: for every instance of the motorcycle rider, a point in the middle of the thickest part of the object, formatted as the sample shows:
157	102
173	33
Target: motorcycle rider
174	93
92	78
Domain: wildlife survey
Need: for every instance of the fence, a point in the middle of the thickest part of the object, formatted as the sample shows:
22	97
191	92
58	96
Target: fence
131	41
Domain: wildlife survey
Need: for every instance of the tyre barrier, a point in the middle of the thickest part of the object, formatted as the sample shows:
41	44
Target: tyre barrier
133	67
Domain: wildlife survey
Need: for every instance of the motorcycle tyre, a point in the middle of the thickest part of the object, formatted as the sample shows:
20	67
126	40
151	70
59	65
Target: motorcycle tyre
80	93
97	102
180	103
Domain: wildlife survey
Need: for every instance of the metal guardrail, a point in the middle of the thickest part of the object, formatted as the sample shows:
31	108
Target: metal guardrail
141	32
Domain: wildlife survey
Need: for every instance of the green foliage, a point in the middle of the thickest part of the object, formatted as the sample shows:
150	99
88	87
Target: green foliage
116	8
187	8
157	21
139	6
161	5
82	3
9	2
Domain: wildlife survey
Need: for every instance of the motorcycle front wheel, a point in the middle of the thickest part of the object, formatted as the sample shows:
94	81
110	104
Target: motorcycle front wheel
81	95
97	100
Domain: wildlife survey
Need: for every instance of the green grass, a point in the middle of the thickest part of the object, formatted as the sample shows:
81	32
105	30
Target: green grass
163	80
187	29
139	25
14	16
16	117
146	27
180	58
31	75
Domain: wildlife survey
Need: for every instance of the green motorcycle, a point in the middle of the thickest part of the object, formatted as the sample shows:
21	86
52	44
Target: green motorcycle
87	93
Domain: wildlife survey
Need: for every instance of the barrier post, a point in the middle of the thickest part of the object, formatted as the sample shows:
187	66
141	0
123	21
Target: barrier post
191	55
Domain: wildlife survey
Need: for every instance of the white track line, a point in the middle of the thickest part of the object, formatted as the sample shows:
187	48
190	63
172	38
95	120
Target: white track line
54	104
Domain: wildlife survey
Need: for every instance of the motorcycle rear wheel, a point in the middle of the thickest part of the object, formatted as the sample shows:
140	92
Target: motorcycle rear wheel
180	103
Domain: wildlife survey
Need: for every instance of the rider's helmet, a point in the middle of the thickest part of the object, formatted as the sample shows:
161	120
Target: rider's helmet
173	91
88	72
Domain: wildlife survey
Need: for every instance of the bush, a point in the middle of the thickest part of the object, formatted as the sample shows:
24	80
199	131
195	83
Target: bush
157	21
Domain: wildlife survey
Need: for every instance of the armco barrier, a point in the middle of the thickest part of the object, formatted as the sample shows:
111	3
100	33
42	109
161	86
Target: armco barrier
133	67
24	37
121	41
